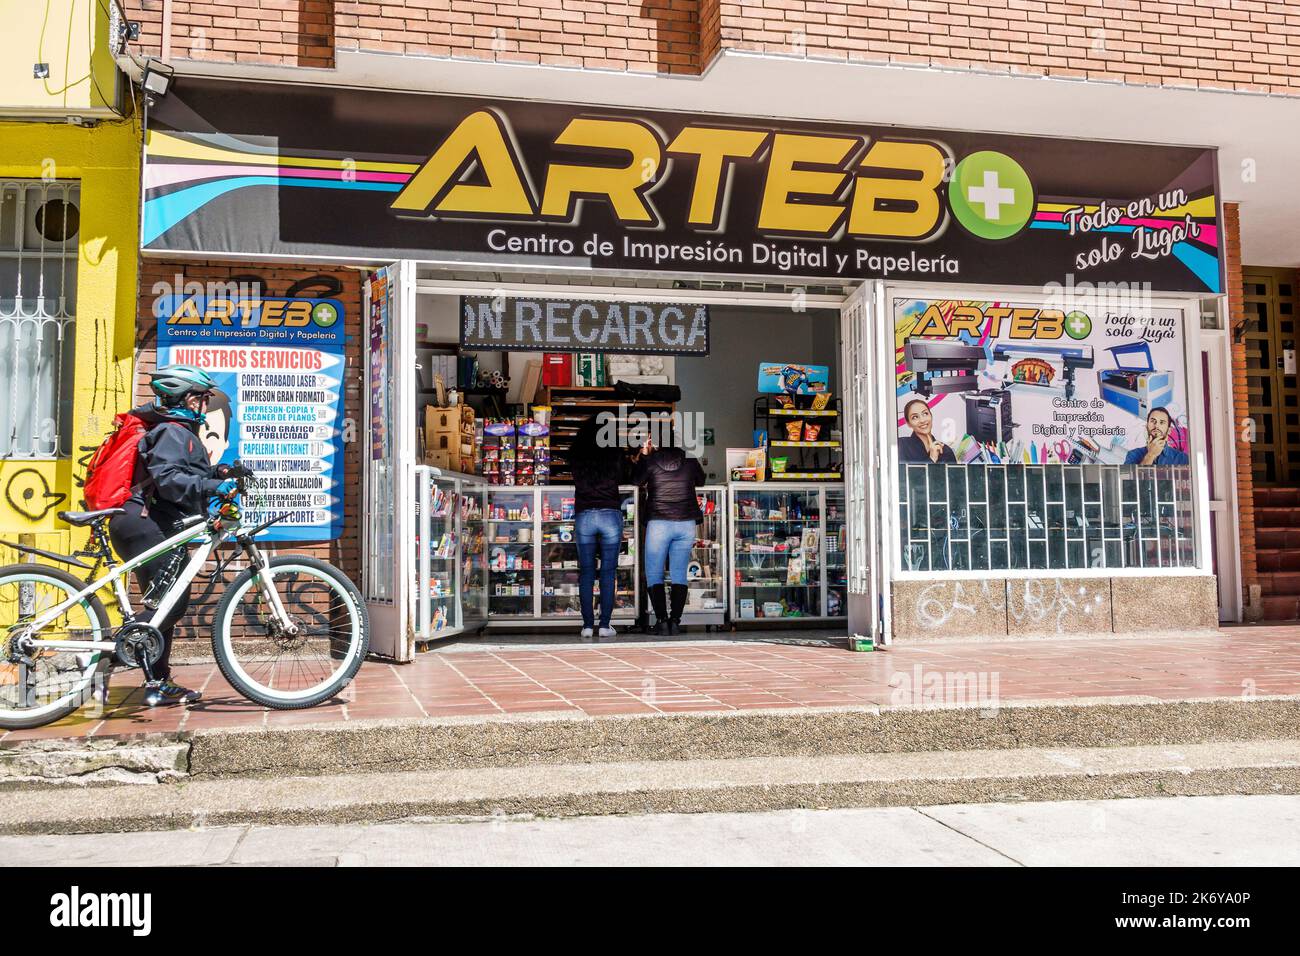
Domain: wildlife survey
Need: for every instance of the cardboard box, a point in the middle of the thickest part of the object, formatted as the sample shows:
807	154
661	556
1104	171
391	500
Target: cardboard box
532	381
439	459
441	419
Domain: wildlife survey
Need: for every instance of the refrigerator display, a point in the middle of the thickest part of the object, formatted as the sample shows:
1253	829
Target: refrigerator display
779	548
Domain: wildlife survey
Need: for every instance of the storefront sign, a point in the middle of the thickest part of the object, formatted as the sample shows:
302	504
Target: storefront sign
583	325
1007	382
261	169
278	364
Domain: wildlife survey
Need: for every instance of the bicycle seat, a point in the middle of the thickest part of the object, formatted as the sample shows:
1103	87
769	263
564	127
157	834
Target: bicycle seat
83	518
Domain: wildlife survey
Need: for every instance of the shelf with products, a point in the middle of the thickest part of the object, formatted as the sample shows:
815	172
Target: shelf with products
779	562
451	580
571	406
799	433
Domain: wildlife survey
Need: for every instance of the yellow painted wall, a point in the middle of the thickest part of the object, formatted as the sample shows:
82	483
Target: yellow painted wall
71	37
106	160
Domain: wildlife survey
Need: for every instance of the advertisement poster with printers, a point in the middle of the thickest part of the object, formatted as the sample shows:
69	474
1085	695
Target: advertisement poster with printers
278	364
1012	382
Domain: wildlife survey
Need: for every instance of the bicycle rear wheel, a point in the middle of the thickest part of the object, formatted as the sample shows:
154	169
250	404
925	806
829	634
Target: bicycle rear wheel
51	683
283	670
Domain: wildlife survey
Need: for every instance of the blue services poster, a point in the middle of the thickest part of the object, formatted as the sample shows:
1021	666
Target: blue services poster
278	364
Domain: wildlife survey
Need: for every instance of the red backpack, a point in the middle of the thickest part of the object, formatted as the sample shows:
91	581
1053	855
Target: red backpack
112	468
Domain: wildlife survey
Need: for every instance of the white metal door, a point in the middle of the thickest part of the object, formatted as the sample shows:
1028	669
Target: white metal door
390	459
1216	370
867	602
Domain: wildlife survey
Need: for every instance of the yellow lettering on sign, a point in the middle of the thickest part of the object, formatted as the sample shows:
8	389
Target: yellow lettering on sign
1051	324
966	318
623	185
273	312
995	317
931	323
187	313
715	148
1022	323
904	202
218	311
482	135
786	180
297	314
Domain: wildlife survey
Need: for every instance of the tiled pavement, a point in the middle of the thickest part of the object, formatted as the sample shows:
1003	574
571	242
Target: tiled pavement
470	679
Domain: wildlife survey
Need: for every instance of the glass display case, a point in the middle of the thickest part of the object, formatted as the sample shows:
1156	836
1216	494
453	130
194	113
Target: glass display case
510	526
451	585
707	591
835	553
528	556
779	551
558	559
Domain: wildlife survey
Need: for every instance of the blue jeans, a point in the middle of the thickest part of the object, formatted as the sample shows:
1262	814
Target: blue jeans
671	541
599	532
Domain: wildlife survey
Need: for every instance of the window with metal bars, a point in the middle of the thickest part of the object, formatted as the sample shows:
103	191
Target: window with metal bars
39	226
983	517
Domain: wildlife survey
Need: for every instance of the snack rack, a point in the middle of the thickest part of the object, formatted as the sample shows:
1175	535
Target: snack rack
815	454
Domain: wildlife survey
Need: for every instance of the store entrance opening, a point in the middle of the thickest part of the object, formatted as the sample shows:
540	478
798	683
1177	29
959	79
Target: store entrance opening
493	430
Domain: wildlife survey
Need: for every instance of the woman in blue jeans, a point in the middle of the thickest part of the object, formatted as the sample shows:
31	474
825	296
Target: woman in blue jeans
598	526
671	481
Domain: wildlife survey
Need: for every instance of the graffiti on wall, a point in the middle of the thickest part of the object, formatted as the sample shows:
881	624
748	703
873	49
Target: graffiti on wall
29	494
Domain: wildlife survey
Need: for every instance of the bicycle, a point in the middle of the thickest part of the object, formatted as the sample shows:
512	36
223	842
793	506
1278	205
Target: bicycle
290	631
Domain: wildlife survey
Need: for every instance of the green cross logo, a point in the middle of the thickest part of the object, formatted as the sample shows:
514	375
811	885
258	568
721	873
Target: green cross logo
991	195
324	314
1078	325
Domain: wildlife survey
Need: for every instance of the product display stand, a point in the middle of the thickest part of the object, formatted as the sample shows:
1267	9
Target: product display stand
784	567
811	459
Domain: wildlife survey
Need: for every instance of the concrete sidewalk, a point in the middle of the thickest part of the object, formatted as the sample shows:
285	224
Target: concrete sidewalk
475	679
1185	831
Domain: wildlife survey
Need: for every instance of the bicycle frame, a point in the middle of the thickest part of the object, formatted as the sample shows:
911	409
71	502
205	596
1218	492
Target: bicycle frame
209	535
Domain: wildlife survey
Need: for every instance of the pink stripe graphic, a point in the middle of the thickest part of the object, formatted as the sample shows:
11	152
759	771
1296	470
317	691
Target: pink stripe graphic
169	174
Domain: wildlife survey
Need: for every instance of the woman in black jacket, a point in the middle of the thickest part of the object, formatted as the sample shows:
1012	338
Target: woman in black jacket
598	470
671	480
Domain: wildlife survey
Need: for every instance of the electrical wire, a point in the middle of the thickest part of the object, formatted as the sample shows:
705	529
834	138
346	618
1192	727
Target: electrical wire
40	47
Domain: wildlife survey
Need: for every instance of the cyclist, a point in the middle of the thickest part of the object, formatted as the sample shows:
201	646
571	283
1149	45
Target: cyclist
173	480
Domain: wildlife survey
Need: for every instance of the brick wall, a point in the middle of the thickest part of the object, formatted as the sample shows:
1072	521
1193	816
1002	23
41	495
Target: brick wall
1221	44
1240	399
344	553
1224	44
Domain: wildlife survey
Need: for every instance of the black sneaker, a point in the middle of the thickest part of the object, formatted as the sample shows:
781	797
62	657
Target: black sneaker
167	691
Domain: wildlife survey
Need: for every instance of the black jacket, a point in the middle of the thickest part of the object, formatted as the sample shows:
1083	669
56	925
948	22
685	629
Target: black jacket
596	480
173	476
911	449
670	478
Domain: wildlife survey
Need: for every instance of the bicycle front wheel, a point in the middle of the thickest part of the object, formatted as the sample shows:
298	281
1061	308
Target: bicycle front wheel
288	669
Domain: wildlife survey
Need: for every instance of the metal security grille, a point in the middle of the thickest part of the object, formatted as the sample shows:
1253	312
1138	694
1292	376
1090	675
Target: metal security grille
981	517
39	223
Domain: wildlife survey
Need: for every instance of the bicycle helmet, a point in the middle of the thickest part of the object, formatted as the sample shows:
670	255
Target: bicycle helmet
172	383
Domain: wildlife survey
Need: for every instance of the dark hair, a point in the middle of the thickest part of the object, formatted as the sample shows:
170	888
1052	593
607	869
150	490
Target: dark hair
1160	408
914	401
589	460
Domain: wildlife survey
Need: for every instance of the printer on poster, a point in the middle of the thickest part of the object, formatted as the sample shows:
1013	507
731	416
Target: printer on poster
1002	382
278	364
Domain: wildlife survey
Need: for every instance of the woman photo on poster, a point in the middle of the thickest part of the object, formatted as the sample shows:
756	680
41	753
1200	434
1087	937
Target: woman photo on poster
921	445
